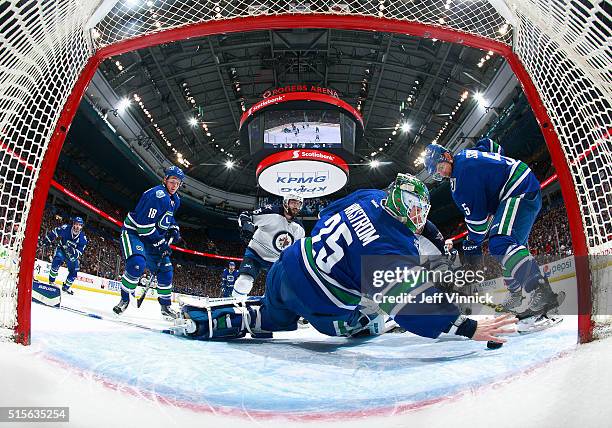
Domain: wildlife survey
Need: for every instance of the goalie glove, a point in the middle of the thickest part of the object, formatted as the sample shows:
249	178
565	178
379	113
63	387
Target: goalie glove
247	231
162	247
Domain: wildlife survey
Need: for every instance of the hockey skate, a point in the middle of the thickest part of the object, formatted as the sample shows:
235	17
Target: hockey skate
543	300
121	307
67	289
167	313
513	300
537	323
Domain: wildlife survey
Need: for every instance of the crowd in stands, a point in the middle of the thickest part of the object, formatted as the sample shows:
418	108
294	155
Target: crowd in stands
311	207
102	255
72	183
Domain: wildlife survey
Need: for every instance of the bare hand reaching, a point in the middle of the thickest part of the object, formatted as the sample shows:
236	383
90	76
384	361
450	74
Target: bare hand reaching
490	328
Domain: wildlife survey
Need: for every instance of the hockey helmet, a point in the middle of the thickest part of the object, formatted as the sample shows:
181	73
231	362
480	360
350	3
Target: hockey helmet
174	171
434	154
292	196
78	220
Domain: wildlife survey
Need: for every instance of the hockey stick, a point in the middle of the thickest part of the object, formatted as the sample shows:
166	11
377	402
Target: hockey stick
144	294
152	278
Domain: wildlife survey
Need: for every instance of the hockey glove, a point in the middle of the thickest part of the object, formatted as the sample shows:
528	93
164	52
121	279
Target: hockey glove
174	233
472	253
247	231
162	247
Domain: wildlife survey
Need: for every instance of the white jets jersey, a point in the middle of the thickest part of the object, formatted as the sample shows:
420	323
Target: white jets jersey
274	232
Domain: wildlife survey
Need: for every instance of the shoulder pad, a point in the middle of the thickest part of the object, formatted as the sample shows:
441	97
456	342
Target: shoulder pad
65	226
160	194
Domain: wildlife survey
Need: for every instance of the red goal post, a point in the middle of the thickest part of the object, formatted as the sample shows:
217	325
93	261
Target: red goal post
49	51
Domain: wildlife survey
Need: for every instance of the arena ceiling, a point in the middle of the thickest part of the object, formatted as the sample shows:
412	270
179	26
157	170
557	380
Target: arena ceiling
393	79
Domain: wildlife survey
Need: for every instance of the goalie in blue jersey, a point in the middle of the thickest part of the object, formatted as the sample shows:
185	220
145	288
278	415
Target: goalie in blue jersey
320	278
500	198
145	241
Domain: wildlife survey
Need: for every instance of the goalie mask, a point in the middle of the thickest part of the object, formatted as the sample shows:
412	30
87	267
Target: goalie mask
408	201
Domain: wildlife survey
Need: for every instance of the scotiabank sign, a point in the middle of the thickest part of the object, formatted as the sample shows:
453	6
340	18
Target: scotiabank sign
311	173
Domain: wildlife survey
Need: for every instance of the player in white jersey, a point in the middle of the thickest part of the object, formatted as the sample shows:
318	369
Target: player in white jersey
267	232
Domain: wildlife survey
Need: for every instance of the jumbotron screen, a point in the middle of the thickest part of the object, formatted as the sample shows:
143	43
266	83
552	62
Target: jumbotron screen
288	129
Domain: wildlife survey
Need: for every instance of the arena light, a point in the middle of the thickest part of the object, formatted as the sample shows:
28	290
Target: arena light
374	163
229	164
124	103
193	121
480	98
405	127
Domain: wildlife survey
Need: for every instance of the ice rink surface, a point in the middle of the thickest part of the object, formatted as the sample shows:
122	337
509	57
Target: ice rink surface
111	374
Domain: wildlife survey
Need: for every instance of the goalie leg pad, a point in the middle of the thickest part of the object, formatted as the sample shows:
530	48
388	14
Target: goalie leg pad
222	322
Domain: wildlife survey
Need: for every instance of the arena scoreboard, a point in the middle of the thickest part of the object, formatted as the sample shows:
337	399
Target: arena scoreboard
301	137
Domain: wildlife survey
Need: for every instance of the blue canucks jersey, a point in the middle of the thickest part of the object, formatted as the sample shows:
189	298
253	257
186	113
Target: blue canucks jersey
348	229
153	214
481	180
72	246
327	270
228	278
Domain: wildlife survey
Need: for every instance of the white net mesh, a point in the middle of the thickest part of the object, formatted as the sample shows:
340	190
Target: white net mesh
42	51
129	19
564	46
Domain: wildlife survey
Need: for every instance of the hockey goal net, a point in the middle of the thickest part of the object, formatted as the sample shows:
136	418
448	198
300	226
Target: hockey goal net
559	49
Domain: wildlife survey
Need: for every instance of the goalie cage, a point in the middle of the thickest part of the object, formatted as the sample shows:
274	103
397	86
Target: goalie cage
558	49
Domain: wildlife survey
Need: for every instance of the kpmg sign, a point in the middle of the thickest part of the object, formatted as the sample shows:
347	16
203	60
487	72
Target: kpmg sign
311	173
